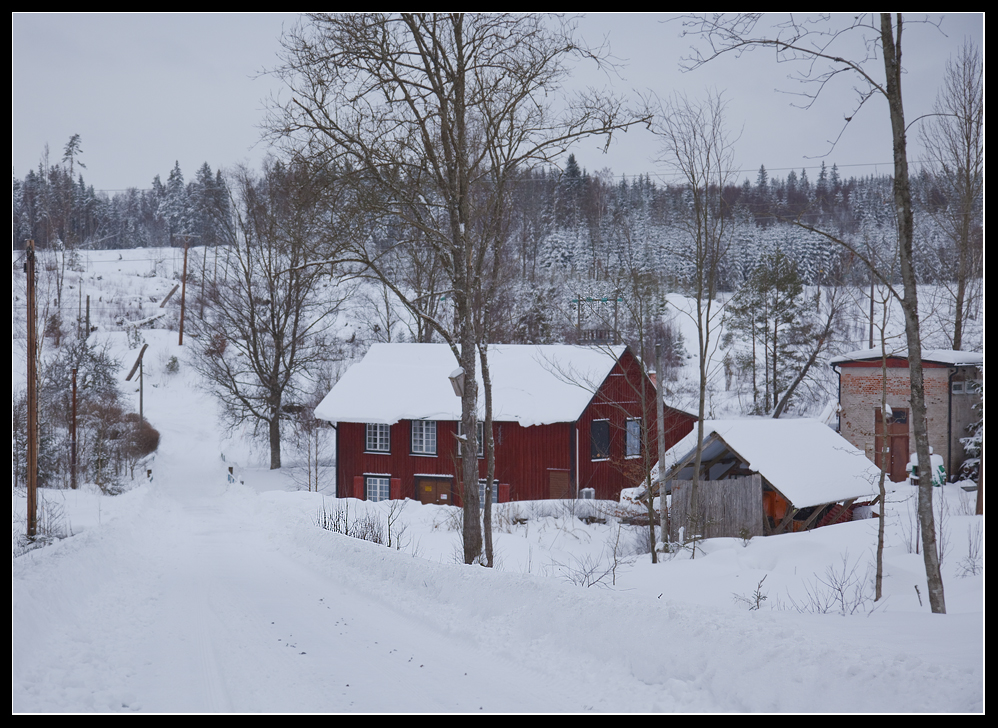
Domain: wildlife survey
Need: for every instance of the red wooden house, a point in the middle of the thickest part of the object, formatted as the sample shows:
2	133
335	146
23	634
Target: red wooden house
567	418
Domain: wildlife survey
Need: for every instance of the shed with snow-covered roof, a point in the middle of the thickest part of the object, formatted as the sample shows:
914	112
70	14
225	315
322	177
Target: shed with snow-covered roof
952	381
566	418
767	476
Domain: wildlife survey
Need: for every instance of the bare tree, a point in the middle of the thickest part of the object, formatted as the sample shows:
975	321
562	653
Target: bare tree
434	116
884	446
260	336
954	142
696	145
814	41
313	438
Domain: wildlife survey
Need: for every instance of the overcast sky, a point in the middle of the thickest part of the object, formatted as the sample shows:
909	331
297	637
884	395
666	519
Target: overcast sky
144	91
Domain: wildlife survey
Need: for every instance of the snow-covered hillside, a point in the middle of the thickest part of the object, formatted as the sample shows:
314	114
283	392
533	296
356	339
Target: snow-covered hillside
196	591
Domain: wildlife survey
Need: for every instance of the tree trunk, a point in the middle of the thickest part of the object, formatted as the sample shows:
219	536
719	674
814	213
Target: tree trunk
881	485
961	294
472	536
275	442
663	503
490	457
909	304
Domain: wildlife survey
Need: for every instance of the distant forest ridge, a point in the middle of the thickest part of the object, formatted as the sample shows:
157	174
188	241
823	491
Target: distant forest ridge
562	223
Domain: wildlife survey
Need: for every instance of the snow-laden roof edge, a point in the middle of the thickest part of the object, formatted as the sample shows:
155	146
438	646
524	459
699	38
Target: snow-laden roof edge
951	357
531	384
804	459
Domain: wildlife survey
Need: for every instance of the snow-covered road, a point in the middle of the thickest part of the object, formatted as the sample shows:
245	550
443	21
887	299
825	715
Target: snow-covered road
196	597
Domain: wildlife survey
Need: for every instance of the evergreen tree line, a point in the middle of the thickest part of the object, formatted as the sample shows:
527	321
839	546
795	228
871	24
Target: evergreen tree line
59	210
565	225
591	225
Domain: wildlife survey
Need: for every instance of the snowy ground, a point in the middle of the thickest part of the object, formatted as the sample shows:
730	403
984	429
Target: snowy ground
192	593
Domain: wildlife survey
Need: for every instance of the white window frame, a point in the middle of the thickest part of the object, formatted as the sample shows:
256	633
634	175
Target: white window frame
481	491
377	438
633	438
424	437
377	488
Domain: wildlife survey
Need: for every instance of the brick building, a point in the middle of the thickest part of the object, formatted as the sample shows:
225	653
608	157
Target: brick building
952	388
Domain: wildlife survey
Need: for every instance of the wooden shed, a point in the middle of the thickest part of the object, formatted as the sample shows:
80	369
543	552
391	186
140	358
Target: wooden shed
765	476
566	419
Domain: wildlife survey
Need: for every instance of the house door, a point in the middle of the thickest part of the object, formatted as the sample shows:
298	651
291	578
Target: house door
434	490
895	447
559	484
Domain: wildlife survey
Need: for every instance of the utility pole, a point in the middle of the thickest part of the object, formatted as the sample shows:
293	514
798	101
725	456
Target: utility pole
183	293
72	438
183	290
138	365
32	455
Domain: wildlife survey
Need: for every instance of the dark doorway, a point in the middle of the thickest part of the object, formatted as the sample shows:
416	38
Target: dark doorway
895	447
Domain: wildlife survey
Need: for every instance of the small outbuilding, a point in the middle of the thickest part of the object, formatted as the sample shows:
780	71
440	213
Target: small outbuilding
768	476
953	387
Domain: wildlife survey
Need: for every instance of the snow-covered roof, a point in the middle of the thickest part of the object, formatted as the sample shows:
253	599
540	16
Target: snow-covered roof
532	385
950	357
805	460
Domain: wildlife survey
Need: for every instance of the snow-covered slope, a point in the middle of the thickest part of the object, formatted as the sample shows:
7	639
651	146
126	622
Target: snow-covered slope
193	592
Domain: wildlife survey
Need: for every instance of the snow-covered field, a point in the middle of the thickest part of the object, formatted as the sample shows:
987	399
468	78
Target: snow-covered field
196	592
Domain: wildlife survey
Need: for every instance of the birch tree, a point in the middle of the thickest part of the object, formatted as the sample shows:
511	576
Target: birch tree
696	146
260	336
814	42
954	141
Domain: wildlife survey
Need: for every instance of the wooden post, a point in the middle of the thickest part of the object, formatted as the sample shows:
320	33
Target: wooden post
183	294
138	365
32	454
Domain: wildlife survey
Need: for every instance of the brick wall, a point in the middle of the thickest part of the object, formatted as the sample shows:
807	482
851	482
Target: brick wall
860	398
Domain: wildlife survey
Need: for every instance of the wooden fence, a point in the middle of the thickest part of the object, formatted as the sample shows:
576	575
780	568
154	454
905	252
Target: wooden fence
727	508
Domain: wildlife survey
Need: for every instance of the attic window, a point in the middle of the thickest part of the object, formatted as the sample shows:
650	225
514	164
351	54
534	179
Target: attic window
424	437
633	438
599	440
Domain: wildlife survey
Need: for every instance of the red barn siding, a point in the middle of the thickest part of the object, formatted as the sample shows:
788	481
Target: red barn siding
626	394
523	455
526	456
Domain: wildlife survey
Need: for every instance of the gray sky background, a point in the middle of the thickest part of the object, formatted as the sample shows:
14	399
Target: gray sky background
144	91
